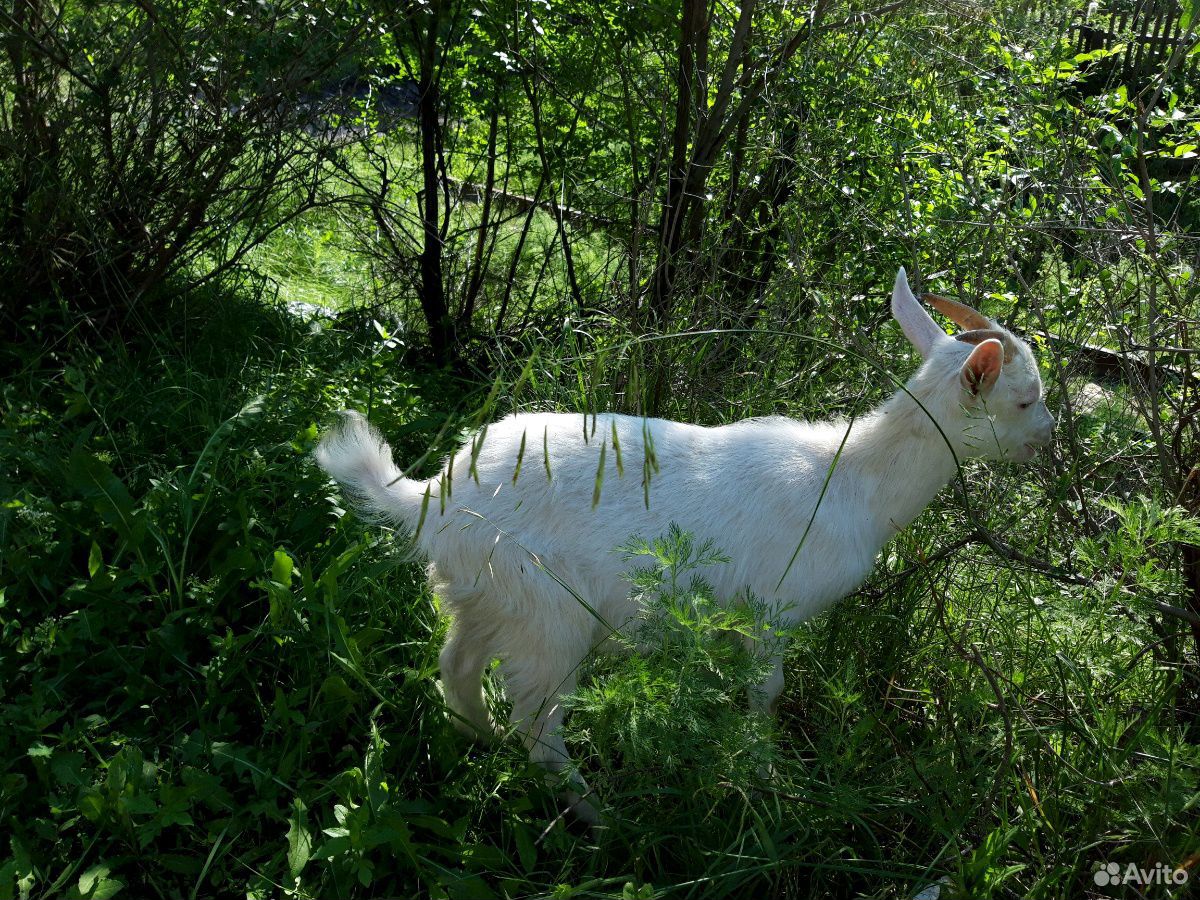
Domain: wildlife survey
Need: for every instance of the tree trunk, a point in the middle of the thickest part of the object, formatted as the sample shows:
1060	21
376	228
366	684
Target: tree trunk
432	289
27	222
547	178
475	282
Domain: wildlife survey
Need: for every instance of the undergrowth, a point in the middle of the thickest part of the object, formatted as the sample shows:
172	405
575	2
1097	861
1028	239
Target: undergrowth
216	681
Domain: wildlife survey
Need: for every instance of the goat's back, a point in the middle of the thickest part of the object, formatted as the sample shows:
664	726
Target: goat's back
539	503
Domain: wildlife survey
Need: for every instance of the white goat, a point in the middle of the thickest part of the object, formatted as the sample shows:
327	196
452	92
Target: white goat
515	541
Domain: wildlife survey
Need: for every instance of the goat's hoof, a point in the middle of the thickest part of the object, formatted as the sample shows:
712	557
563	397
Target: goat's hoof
480	734
581	809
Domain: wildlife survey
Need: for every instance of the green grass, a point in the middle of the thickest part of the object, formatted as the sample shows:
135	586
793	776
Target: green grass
334	257
312	261
217	681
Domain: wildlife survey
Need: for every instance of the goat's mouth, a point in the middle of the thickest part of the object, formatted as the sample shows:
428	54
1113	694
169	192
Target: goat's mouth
1031	450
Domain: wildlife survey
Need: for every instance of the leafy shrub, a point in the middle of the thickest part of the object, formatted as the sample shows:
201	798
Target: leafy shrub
672	712
146	146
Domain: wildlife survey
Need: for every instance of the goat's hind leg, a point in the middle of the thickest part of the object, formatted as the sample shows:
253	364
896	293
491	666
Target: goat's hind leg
465	655
535	684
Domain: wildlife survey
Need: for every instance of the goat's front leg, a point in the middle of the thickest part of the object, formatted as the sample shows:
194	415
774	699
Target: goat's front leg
765	696
535	682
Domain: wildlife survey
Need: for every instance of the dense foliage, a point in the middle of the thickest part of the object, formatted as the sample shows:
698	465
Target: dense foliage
220	223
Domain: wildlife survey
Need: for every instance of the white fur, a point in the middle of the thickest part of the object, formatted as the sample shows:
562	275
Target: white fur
512	559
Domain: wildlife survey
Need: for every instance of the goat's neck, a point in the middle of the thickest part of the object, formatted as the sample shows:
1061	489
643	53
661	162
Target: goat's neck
896	461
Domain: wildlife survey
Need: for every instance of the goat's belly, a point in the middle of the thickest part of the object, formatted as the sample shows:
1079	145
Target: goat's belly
626	625
811	589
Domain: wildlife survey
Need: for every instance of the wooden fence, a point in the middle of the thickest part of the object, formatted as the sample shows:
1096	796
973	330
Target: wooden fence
1147	31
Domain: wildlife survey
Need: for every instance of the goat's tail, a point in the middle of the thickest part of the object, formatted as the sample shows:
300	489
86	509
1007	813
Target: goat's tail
360	461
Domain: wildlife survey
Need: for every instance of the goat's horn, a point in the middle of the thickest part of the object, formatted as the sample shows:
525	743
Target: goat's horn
958	312
979	335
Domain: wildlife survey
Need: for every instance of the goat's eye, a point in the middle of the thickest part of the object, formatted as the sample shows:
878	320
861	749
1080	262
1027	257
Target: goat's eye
1026	405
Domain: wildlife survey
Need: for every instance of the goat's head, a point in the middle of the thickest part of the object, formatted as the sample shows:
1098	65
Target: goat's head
981	386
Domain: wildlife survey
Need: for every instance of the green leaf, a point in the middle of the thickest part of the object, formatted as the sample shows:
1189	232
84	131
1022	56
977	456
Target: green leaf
336	846
526	849
339	695
8	873
95	560
365	872
1191	9
282	568
299	840
16	875
95	884
91	804
107	494
137	805
68	768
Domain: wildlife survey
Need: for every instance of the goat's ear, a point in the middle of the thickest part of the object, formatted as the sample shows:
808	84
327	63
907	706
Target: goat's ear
982	368
920	329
